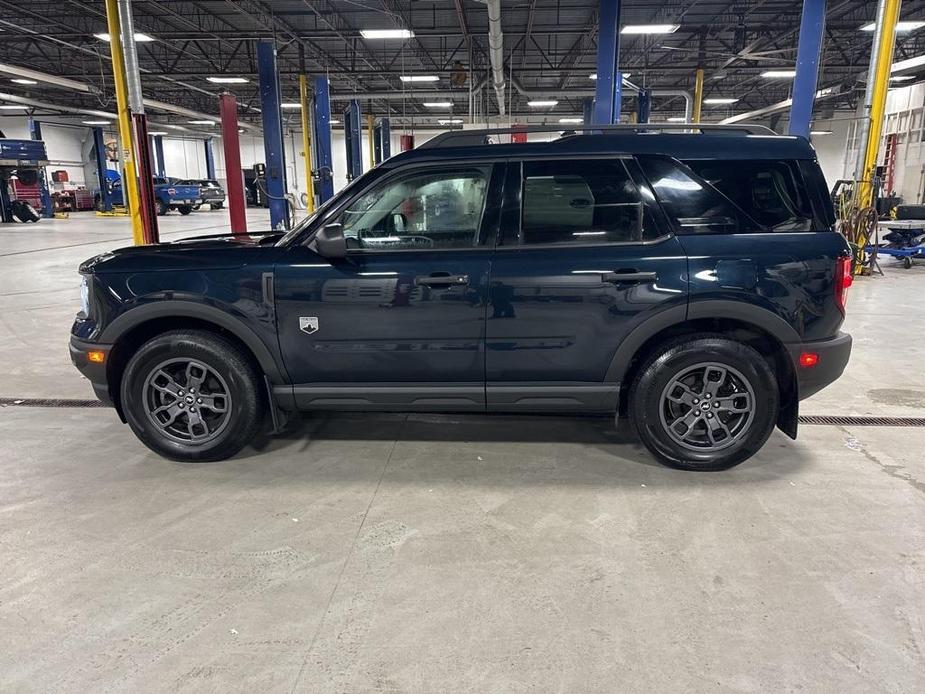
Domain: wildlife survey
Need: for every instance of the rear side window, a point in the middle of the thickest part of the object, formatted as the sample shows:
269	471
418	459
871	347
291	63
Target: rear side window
590	202
773	193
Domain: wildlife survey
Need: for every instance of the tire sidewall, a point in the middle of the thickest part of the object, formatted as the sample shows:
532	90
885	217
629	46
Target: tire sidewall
242	390
659	373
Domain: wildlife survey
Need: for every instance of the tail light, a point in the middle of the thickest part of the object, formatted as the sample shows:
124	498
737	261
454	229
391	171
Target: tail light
843	280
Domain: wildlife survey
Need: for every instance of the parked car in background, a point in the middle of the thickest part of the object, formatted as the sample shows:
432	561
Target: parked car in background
211	192
692	282
169	194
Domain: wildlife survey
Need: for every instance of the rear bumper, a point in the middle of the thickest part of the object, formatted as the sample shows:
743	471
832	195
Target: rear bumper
93	371
832	355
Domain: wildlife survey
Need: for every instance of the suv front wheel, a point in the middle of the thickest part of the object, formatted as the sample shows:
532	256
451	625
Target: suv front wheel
191	395
704	403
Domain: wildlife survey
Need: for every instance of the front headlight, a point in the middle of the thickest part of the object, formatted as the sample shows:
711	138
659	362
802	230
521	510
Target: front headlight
85	295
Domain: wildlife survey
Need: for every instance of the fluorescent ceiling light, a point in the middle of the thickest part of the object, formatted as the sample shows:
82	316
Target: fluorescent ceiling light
438	104
139	37
918	61
901	78
450	121
334	121
820	132
201	122
900	26
779	73
542	103
20	80
157	132
290	104
228	80
650	28
95	122
419	78
175	127
720	100
677	119
12	107
571	120
386	33
593	75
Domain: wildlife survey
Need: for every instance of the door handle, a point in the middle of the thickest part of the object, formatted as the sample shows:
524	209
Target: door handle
441	279
628	277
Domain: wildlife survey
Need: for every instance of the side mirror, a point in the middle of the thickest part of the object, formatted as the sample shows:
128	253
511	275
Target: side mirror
330	241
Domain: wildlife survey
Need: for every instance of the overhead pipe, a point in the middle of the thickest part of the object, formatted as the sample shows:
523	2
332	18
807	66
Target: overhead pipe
496	50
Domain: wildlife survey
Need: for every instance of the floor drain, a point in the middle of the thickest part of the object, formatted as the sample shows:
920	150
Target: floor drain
863	421
49	402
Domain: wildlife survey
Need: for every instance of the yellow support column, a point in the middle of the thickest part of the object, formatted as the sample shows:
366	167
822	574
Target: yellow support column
129	174
698	95
864	189
307	145
372	139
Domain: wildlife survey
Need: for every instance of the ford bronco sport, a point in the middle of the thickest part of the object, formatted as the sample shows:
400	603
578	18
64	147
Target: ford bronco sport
691	281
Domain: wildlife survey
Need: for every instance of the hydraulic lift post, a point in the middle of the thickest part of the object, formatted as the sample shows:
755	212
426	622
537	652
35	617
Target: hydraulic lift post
48	209
274	152
234	176
352	140
609	79
322	123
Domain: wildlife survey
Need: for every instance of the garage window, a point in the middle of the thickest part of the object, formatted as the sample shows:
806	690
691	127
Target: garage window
583	202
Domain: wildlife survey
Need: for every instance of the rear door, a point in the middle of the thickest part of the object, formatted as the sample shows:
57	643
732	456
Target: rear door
583	259
399	323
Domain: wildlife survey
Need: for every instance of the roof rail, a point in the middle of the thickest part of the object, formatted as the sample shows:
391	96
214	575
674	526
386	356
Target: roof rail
472	138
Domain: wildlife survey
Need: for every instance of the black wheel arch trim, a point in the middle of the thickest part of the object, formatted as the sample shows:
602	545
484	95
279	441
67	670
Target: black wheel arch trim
134	317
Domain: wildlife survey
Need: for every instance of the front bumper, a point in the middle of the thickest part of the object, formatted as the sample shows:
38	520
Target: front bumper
832	356
93	371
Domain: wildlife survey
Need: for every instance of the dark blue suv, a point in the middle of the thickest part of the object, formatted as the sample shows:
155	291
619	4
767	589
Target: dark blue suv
691	281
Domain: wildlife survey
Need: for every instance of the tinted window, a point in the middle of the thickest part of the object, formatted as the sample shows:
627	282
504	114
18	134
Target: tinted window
696	206
773	193
434	209
592	201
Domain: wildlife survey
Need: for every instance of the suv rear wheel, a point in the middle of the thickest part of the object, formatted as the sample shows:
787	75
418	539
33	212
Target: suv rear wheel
704	403
191	395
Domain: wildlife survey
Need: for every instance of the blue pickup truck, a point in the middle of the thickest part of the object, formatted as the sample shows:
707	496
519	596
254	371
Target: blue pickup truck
168	195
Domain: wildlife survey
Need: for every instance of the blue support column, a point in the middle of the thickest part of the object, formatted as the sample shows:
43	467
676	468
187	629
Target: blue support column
353	140
812	30
99	147
48	209
159	168
268	77
609	82
322	123
587	111
644	109
210	160
383	140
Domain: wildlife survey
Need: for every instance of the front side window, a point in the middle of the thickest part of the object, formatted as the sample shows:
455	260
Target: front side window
696	206
425	210
592	201
773	193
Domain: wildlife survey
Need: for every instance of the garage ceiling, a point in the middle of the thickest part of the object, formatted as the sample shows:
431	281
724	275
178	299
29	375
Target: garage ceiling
549	51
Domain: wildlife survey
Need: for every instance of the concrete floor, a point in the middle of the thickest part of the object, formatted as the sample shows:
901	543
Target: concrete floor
418	553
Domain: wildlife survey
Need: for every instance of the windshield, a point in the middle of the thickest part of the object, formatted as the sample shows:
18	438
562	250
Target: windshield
354	184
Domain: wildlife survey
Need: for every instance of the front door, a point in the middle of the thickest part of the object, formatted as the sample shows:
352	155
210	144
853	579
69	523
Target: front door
583	260
400	323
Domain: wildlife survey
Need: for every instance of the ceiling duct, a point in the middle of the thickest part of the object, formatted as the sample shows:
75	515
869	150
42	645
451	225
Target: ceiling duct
496	50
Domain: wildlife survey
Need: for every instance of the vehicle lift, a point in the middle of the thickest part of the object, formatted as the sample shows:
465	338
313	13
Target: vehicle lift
382	140
353	130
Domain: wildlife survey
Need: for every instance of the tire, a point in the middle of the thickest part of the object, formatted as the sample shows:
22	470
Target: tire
185	209
24	212
98	204
161	208
907	262
217	205
156	396
732	376
196	207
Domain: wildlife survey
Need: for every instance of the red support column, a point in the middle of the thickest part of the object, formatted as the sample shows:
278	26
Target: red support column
234	176
145	179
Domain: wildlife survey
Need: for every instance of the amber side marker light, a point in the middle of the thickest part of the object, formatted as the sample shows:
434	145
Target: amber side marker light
809	359
96	356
